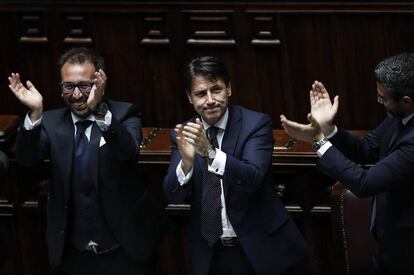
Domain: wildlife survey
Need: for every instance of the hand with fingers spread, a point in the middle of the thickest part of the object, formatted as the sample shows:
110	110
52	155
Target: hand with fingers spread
98	90
28	95
305	132
195	134
322	108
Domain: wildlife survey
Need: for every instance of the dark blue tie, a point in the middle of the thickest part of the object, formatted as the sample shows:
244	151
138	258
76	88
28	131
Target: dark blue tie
211	227
81	155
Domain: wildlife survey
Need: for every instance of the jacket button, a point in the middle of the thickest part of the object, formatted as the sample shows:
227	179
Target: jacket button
62	231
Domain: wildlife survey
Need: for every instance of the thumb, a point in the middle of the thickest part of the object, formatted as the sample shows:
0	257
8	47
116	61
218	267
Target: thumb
30	86
312	120
198	121
335	104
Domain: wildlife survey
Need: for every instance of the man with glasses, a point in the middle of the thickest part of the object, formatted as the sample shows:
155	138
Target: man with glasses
101	219
390	147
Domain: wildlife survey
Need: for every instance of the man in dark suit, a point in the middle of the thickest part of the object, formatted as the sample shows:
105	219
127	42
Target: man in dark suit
101	219
238	224
390	147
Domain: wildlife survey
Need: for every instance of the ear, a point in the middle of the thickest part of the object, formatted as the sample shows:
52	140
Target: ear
189	98
229	90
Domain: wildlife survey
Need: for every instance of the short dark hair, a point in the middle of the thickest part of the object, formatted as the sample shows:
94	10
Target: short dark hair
80	56
396	74
207	66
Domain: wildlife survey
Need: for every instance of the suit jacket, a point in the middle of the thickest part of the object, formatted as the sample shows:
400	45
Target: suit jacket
267	234
390	179
127	207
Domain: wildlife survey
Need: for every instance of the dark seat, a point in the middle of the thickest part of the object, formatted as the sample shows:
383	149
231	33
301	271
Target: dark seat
353	242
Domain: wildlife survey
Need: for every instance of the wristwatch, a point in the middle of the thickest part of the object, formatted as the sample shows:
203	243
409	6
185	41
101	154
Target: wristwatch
318	144
211	153
101	110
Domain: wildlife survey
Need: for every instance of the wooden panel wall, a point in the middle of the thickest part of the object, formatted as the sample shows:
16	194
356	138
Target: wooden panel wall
274	51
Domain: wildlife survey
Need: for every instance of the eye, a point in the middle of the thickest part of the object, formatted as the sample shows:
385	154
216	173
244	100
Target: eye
69	86
200	94
216	89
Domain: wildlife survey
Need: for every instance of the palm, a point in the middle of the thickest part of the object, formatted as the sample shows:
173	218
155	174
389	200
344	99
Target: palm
304	132
186	149
322	109
29	95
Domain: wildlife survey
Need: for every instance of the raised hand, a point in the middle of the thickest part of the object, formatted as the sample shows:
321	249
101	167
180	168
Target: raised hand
29	95
186	149
322	109
305	132
195	134
98	90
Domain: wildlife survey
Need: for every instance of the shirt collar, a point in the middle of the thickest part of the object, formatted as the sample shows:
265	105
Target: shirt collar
407	118
75	118
222	123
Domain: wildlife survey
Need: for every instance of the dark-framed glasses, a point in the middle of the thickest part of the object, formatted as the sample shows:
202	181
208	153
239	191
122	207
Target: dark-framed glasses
84	87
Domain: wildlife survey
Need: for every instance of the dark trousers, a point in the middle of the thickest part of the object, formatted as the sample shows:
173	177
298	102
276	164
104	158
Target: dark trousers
116	262
230	261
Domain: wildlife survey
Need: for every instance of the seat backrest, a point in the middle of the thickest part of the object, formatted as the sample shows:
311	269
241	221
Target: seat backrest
353	242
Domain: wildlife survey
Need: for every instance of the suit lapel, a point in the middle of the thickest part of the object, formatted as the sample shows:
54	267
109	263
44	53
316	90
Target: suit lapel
65	136
230	137
94	153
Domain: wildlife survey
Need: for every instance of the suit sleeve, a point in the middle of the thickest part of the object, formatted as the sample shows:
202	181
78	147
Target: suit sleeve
247	172
174	192
362	150
394	170
32	146
124	134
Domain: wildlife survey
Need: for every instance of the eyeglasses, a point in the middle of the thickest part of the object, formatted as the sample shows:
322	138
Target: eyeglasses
84	87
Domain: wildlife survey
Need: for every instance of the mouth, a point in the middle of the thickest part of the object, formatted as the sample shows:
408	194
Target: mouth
78	105
211	109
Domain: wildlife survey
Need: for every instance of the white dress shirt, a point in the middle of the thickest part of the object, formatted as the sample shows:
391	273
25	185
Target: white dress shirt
102	124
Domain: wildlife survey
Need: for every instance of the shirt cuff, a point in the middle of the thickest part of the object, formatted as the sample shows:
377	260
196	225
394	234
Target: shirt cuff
28	124
219	163
104	124
331	134
323	149
183	178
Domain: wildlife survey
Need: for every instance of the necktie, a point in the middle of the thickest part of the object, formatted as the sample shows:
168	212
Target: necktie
211	227
80	158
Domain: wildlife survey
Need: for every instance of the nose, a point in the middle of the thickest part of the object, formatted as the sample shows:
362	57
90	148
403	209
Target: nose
76	93
210	99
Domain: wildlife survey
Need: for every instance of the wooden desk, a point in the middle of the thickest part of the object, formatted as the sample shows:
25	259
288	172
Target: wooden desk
304	190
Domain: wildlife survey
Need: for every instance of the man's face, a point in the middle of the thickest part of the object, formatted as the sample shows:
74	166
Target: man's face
210	98
392	106
81	76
